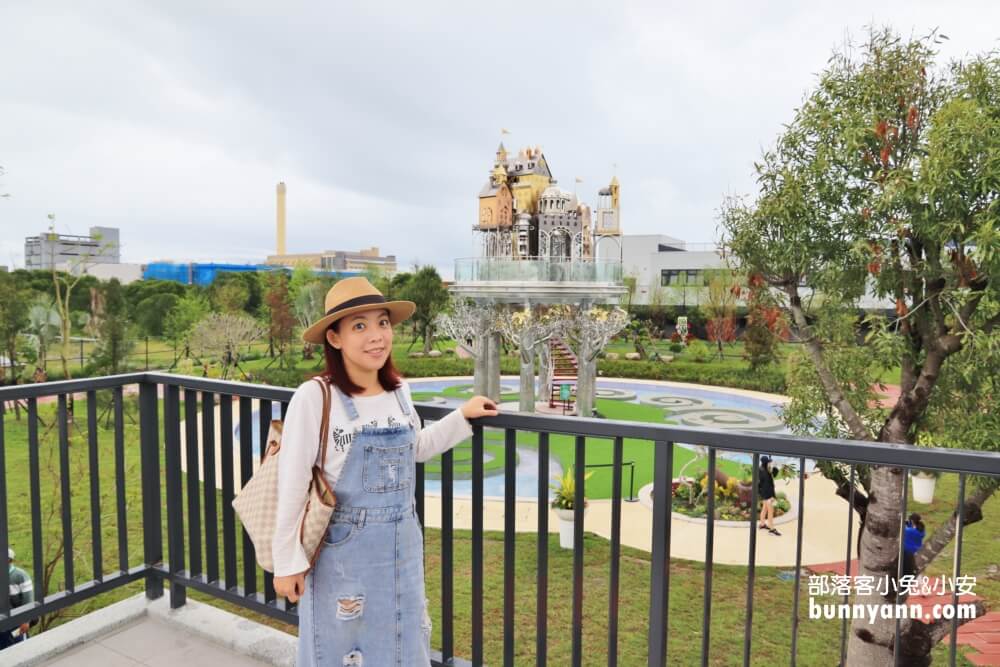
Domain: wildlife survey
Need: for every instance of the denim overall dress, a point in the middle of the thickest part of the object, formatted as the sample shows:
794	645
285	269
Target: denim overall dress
364	601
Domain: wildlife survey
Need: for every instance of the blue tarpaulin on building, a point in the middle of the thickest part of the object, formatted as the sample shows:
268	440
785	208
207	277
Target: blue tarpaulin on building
197	273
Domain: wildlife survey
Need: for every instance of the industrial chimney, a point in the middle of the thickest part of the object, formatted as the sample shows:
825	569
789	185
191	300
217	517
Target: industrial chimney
281	218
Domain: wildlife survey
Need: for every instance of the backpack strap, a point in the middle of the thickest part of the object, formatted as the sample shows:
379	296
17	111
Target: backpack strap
324	429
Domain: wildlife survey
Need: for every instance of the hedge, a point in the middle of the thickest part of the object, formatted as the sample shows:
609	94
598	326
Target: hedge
770	379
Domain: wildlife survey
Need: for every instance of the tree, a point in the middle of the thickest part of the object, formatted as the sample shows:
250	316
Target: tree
180	321
114	344
397	283
720	307
630	282
886	181
764	324
637	331
230	293
307	293
43	327
471	325
14	303
528	331
281	318
379	277
151	313
427	291
591	328
64	284
222	335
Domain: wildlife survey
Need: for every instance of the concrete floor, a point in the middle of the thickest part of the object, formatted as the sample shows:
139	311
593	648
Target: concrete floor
152	642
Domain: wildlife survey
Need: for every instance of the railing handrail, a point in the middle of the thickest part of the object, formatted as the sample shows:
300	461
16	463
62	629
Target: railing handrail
781	444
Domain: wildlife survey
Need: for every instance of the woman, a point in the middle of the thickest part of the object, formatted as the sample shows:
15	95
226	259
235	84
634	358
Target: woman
913	539
363	602
765	486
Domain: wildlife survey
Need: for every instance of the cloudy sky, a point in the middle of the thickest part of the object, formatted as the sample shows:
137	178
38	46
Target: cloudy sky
174	120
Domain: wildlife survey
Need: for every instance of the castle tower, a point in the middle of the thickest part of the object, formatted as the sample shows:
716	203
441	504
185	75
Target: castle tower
608	219
501	156
280	250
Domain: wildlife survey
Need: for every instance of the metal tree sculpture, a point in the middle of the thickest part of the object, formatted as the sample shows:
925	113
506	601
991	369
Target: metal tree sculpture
471	325
591	329
529	331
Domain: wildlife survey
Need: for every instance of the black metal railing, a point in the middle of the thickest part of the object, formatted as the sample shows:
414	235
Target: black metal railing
184	567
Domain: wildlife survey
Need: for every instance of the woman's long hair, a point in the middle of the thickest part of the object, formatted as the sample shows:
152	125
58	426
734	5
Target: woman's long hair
336	372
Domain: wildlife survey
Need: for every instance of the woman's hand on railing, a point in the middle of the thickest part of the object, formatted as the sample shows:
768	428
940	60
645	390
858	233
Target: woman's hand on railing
290	587
479	406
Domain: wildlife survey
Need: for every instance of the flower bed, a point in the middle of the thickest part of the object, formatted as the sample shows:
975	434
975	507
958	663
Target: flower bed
732	499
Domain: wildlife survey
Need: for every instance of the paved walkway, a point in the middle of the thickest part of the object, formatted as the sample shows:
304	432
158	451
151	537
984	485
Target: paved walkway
982	634
824	526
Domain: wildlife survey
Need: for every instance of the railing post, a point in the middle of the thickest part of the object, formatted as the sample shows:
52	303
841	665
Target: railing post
659	585
149	443
175	511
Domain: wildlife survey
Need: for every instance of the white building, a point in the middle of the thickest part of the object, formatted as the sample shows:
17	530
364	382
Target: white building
102	246
669	268
125	273
678	273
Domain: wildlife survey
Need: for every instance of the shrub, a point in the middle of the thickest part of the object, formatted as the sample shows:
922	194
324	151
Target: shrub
769	379
699	351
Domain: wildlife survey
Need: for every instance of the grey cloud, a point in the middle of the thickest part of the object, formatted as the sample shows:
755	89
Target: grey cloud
174	120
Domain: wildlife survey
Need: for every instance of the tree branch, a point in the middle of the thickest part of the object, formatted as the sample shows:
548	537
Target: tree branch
945	533
830	384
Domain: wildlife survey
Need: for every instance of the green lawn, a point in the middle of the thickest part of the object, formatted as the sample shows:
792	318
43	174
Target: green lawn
818	640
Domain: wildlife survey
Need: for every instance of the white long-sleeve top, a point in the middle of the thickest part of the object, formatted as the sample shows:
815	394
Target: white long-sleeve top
300	450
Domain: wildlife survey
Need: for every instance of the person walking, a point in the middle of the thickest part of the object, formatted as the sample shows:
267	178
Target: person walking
22	592
362	602
765	487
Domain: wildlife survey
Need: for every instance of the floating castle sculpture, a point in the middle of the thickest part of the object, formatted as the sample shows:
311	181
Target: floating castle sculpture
541	281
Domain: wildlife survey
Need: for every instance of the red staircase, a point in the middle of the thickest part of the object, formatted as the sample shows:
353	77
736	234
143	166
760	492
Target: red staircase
565	369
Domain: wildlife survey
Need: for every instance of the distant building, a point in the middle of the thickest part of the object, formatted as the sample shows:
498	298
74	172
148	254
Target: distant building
337	260
102	246
672	272
205	273
125	273
328	260
677	270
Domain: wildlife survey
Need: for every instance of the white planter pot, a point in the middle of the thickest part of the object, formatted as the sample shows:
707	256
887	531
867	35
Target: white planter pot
923	488
566	527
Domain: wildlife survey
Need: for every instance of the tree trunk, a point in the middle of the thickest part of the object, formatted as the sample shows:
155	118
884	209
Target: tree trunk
481	346
872	643
527	384
584	380
544	391
428	339
493	368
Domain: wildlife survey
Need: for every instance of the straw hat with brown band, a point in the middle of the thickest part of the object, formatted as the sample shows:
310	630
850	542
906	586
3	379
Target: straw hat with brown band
352	295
